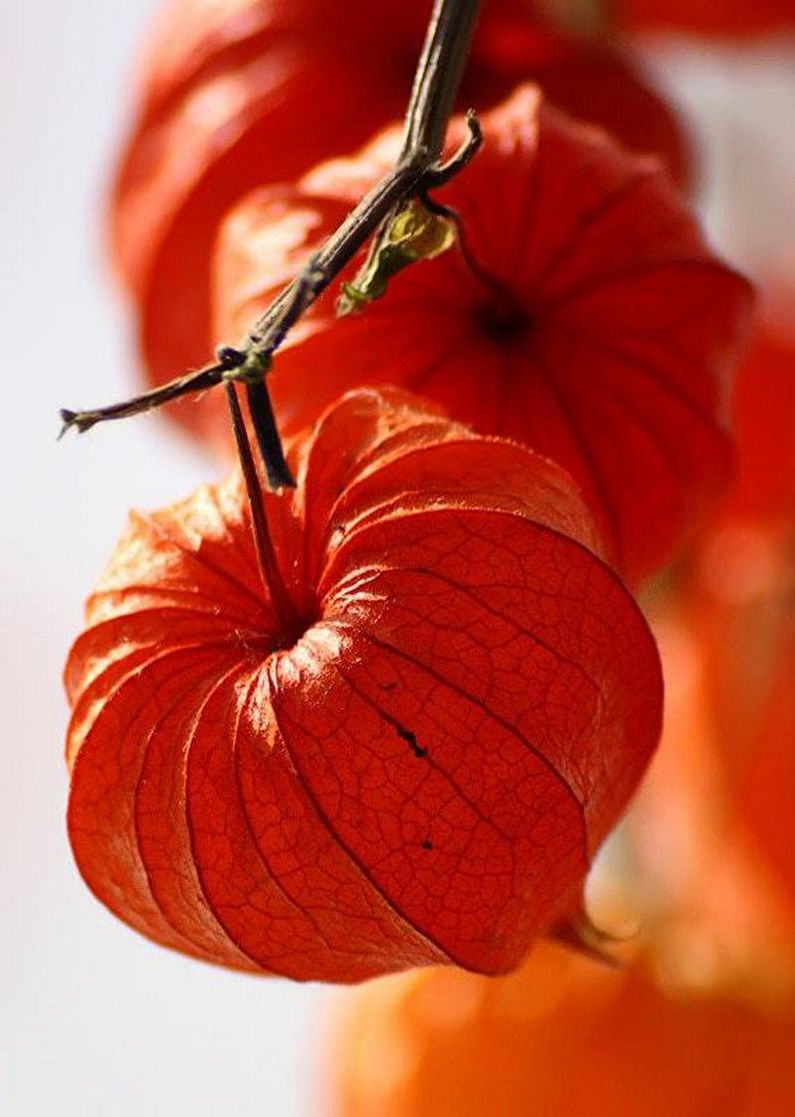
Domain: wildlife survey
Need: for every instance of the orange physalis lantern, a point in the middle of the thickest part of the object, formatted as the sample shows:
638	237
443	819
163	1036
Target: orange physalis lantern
404	748
585	316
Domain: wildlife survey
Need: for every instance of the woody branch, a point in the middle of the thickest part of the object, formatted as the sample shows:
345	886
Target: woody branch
418	170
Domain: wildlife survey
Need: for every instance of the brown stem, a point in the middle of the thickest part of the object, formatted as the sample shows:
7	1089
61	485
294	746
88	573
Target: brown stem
190	383
436	82
270	445
435	86
438	75
263	543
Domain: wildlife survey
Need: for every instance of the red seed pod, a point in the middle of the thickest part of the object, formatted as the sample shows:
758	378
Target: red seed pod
408	755
595	323
236	94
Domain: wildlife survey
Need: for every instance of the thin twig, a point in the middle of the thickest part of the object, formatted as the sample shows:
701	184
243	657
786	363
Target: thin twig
435	86
189	384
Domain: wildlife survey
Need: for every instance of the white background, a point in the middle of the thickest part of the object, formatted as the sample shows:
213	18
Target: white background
95	1020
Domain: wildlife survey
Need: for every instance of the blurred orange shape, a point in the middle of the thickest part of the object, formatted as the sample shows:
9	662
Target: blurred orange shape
764	422
712	830
705	17
705	891
767	795
560	1038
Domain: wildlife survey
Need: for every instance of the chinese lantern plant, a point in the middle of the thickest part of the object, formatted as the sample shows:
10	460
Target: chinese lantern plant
386	717
228	100
585	315
389	726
